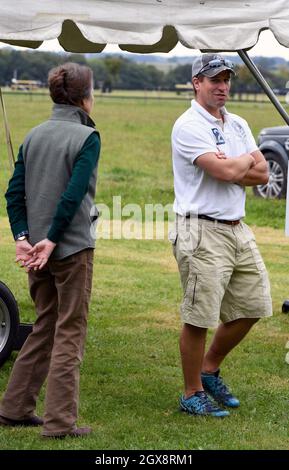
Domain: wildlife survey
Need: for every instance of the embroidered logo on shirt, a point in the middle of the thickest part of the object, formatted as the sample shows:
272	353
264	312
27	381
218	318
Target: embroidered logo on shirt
238	128
218	136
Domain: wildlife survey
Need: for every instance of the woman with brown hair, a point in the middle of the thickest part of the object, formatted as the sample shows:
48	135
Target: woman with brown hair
49	200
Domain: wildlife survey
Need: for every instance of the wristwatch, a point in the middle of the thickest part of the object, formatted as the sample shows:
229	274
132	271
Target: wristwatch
21	239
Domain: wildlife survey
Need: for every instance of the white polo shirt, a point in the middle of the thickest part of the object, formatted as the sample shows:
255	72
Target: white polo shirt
197	132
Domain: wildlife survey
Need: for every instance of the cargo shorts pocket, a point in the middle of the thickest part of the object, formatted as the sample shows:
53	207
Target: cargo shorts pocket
173	236
202	300
189	237
190	293
189	299
261	281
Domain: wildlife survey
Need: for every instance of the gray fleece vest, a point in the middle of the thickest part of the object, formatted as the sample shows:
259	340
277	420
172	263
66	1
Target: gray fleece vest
49	153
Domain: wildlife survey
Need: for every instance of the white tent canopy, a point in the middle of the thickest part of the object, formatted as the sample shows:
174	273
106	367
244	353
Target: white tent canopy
143	25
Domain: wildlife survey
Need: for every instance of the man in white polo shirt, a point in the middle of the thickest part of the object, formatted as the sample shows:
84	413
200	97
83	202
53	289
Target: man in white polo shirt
222	272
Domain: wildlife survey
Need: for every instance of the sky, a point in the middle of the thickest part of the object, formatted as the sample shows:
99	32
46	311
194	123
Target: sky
267	46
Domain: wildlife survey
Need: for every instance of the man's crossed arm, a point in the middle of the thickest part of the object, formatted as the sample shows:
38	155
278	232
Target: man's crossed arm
259	174
249	169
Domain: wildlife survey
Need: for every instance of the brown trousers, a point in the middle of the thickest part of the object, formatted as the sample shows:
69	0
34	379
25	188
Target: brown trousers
54	349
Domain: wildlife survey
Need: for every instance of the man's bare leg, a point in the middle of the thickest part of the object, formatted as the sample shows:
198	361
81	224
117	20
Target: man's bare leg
227	336
192	349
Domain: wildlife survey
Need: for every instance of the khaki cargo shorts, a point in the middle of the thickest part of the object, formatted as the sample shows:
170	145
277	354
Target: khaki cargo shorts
222	272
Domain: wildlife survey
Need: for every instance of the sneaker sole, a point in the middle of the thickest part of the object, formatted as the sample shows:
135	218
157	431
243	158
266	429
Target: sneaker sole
220	402
224	414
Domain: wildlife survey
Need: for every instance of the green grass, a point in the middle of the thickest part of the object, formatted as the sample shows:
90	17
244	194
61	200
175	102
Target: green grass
131	376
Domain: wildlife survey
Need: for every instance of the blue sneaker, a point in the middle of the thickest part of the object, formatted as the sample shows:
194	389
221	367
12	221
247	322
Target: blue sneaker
214	385
201	404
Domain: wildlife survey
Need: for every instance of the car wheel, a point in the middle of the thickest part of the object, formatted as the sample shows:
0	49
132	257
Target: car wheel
276	187
9	322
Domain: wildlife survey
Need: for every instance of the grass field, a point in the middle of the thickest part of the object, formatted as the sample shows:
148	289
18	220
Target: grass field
131	376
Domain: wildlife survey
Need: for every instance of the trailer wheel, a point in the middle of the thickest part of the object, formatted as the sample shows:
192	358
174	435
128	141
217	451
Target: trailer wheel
9	322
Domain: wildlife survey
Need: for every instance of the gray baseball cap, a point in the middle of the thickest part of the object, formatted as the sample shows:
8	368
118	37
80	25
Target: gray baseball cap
211	65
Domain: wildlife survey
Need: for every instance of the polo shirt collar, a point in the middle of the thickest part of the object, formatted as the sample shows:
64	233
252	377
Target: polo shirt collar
208	116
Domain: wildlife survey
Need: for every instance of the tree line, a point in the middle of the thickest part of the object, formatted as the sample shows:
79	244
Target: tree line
119	72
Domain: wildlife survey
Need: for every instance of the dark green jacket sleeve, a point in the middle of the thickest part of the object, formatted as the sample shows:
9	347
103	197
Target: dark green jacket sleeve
15	197
77	187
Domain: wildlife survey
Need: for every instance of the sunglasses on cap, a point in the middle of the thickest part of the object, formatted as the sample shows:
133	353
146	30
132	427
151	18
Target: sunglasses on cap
215	63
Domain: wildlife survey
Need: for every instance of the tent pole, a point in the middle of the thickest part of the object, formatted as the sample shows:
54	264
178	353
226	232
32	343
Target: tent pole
262	82
7	133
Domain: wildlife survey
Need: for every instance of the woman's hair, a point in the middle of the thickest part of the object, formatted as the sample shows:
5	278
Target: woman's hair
70	83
